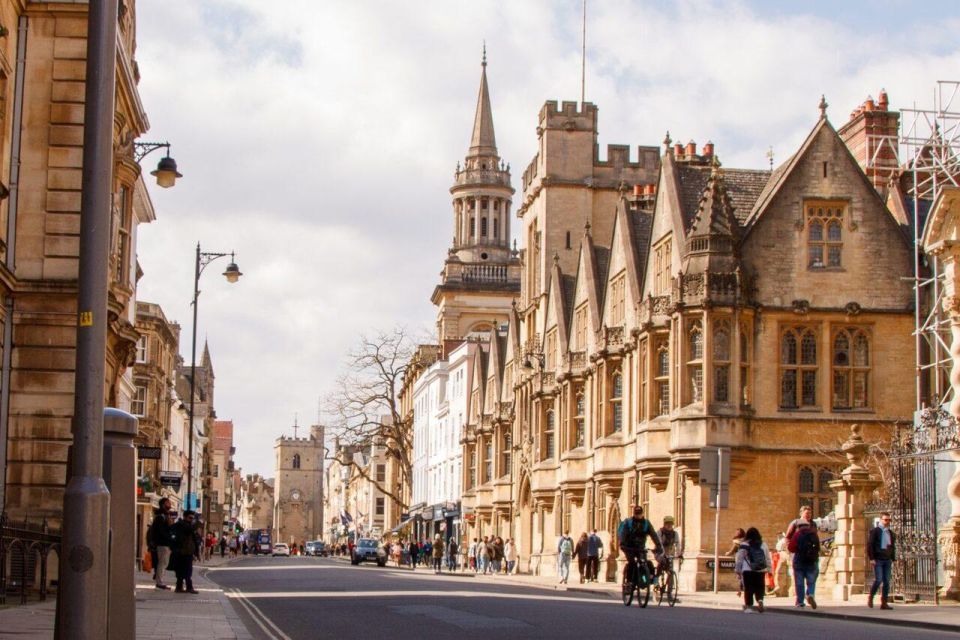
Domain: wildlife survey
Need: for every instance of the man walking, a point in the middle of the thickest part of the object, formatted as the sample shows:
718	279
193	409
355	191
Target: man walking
594	551
564	555
158	540
437	550
804	544
882	551
452	551
187	545
472	555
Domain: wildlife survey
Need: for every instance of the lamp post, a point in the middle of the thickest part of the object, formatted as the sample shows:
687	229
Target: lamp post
232	274
166	172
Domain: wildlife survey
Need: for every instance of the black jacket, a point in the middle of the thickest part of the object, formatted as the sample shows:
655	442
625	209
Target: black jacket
874	552
158	535
185	541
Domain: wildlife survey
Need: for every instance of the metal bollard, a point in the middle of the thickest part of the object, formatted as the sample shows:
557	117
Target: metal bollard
120	475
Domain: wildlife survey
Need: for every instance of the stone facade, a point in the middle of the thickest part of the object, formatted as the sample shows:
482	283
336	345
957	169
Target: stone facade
41	138
298	488
668	304
256	503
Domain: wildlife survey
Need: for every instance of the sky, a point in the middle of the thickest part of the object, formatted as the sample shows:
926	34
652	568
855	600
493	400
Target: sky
318	141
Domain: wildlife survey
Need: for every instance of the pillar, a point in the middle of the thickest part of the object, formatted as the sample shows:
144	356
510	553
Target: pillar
853	488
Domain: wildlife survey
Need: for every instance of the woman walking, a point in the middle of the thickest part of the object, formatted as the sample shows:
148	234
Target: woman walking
510	555
581	552
752	564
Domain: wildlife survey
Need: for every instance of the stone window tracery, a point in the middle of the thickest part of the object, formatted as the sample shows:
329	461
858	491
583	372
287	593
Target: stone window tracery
798	368
721	361
814	489
744	365
695	361
662	379
579	420
487	459
851	369
824	234
296	461
618	300
506	451
616	401
661	267
549	436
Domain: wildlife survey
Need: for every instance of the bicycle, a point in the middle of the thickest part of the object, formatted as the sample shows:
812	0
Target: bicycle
667	583
642	585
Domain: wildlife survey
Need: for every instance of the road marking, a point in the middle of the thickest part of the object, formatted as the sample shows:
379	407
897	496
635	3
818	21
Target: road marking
466	620
272	568
429	593
274	632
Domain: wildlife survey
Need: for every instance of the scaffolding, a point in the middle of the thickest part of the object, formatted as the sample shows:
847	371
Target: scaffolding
929	148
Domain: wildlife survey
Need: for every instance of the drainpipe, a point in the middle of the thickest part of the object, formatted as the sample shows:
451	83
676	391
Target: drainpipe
11	253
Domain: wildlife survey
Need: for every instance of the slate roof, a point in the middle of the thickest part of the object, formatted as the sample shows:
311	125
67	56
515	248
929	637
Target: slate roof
743	185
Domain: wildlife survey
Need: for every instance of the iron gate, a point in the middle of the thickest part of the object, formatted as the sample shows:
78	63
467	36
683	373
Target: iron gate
911	499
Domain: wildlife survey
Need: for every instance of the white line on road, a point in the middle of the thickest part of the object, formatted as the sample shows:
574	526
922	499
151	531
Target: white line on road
273	568
408	594
258	616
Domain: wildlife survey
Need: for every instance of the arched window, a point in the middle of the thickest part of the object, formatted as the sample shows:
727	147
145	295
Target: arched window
721	361
851	369
296	461
616	401
473	466
744	365
496	227
825	234
578	420
487	459
483	226
662	379
798	368
506	451
695	361
549	436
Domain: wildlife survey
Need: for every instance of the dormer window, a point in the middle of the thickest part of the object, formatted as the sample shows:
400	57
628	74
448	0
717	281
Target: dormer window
824	223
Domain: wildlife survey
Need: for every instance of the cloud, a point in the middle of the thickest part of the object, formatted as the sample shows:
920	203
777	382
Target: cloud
318	140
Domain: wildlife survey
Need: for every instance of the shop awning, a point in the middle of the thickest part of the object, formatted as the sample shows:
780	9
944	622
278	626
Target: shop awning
402	525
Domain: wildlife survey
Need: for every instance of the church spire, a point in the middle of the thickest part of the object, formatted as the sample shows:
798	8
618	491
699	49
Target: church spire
483	142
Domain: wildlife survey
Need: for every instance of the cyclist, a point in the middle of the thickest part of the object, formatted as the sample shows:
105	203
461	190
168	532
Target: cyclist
671	546
632	535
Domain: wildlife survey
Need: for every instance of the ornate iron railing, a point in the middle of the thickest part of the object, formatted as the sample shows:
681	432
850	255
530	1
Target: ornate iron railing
24	553
935	431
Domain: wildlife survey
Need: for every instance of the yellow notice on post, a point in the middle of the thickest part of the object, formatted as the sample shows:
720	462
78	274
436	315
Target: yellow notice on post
86	318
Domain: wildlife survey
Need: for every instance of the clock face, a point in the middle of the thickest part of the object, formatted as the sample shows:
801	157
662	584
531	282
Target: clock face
295	495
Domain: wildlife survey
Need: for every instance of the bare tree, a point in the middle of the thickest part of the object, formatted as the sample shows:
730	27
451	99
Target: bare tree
364	408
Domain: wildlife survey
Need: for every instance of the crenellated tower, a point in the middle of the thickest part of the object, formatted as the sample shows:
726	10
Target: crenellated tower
481	275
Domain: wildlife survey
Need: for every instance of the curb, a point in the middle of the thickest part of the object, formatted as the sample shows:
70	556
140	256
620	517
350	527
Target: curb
853	617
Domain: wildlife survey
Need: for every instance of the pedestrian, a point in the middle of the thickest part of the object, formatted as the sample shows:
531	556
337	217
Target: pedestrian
426	552
452	551
753	561
581	553
186	547
472	555
158	541
437	551
484	552
413	552
732	551
594	553
804	544
510	555
564	555
882	551
496	554
223	546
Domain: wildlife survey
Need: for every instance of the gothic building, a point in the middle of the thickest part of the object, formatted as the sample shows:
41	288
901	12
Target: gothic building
298	488
668	304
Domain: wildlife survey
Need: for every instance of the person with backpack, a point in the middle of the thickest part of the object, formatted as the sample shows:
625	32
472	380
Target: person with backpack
632	534
882	551
804	544
581	551
564	555
753	561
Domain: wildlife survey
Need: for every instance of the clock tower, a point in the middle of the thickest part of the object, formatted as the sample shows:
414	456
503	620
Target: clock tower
298	488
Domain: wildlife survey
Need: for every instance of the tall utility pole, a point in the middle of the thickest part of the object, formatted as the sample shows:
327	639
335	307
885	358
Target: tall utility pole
86	503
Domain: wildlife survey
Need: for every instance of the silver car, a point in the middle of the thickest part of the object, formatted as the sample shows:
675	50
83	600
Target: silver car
369	549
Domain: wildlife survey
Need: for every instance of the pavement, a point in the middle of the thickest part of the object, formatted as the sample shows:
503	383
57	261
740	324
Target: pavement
161	615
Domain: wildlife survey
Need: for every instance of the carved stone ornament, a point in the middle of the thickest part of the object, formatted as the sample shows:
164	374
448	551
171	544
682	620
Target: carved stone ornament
801	307
855	449
853	309
951	306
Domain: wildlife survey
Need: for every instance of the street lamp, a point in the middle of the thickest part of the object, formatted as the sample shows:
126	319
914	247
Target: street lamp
166	172
232	274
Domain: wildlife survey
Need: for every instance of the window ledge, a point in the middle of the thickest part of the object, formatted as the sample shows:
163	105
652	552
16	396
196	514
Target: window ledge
827	269
853	410
800	410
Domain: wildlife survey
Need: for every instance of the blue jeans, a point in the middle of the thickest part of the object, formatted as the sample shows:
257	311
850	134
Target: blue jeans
881	576
805	573
564	568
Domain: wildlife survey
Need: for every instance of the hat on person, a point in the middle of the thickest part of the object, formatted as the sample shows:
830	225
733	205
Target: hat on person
667	519
436	537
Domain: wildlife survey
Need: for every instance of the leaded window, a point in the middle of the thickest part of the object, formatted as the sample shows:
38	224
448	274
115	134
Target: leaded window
695	361
798	368
662	379
616	401
851	368
721	361
825	234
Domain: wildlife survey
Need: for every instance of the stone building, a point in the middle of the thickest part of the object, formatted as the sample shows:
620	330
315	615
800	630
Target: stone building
481	275
670	303
256	502
153	402
204	416
42	66
221	474
298	487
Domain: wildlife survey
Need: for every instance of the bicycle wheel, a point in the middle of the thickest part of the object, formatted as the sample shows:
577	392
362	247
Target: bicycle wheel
672	589
643	588
661	587
628	589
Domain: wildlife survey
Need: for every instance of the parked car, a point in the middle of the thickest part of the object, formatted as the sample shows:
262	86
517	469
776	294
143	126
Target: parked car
369	549
281	549
316	548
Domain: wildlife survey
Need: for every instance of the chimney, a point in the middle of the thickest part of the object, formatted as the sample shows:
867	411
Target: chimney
691	148
678	150
708	150
872	135
637	190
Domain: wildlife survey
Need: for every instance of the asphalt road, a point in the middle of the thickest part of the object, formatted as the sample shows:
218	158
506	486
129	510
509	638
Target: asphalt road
309	598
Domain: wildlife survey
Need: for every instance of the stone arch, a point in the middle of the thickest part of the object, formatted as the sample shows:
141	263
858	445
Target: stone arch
525	514
612	559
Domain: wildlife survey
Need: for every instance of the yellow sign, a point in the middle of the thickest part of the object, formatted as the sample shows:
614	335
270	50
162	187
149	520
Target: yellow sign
86	318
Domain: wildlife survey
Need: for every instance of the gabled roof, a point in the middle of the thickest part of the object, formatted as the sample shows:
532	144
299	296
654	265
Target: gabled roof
715	212
495	363
744	187
592	277
558	304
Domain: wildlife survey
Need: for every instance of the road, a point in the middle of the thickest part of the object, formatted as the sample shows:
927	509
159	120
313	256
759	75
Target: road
309	598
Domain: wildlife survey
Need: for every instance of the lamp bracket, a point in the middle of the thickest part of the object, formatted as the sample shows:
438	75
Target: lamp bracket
143	149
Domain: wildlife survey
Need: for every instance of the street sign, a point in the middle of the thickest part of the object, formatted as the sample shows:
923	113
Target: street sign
724	497
727	565
171	479
148	453
709	460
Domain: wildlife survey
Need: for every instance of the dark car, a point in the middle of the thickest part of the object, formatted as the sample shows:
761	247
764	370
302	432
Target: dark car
316	548
369	549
